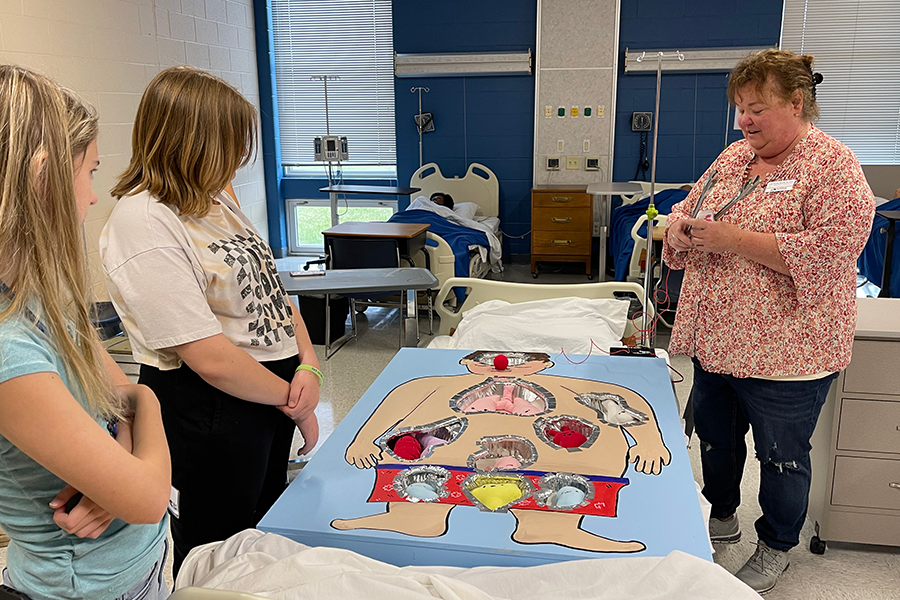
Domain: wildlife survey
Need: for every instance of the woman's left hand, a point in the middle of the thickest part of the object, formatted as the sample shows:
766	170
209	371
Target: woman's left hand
86	520
713	236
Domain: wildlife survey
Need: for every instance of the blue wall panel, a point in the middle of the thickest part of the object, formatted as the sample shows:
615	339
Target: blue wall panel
693	106
477	119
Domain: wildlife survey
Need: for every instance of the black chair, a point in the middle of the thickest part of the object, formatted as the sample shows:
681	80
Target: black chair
355	253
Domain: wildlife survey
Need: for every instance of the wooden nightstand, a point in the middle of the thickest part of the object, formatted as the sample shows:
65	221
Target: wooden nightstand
561	223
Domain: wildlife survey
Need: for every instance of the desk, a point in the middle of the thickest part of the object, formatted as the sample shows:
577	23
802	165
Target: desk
373	190
410	236
350	281
604	190
661	512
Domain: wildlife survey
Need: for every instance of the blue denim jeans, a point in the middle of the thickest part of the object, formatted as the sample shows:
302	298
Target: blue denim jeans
783	416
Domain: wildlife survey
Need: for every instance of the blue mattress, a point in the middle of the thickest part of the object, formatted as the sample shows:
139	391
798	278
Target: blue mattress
871	261
623	219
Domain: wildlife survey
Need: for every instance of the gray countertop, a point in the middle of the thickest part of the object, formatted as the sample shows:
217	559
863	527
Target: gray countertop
878	318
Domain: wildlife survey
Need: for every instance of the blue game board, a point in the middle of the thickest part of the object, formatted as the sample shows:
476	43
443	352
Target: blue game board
660	511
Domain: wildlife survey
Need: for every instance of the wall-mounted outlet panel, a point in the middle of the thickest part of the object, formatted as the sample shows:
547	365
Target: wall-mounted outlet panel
573	163
553	163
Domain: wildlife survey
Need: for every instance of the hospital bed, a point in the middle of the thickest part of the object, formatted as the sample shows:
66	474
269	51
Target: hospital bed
479	186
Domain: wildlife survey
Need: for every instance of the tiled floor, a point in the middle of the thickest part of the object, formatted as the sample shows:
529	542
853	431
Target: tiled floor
845	572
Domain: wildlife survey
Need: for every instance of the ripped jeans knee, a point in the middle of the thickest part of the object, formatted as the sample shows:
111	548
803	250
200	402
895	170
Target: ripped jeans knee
779	463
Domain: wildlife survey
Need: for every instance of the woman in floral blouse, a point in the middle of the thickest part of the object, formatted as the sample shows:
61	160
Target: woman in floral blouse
768	308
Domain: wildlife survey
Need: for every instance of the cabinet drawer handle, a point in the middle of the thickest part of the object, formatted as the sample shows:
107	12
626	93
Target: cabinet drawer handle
561	219
561	242
562	198
895	485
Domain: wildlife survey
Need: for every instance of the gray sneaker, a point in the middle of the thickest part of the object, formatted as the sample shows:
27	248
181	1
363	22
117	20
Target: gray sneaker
763	569
724	532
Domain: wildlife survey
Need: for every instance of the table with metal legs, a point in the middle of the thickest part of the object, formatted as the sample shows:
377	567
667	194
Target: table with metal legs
603	193
361	281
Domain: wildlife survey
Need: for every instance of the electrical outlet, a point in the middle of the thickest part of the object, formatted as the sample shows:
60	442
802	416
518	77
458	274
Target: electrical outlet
548	111
574	111
592	163
560	144
586	112
553	163
586	146
596	228
573	163
561	111
601	111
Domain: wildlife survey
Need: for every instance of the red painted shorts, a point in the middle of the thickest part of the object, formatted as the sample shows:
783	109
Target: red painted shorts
606	490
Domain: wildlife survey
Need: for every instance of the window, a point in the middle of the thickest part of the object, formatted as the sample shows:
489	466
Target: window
856	46
350	40
307	219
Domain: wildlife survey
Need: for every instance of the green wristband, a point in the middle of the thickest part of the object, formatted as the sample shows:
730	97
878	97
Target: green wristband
314	371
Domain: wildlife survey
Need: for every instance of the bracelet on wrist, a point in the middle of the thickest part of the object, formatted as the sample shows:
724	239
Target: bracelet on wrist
312	370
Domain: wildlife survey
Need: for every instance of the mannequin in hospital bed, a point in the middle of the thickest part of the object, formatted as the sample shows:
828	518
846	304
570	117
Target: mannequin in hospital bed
442	199
605	409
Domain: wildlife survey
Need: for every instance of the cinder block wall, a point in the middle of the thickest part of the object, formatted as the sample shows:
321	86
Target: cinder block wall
108	50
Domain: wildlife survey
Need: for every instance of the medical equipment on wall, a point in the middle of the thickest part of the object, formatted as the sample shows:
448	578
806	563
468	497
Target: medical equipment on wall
646	333
424	121
330	148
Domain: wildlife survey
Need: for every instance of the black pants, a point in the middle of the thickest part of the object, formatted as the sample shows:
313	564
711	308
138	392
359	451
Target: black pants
229	456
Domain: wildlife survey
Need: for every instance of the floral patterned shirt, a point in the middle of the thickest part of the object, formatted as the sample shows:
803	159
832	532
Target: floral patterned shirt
739	317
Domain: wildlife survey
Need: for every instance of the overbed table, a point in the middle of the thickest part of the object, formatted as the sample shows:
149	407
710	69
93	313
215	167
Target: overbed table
361	281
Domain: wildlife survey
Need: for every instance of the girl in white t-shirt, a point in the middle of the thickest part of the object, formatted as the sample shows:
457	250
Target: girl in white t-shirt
70	421
218	339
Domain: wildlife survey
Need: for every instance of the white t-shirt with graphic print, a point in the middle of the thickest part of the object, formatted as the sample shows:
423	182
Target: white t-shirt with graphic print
175	280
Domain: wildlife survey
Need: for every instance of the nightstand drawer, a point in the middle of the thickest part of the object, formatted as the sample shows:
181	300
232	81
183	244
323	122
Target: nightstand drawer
866	482
568	199
562	242
561	219
869	426
873	368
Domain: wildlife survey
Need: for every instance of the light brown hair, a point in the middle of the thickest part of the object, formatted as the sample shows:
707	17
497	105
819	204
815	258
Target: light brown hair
44	129
787	73
191	133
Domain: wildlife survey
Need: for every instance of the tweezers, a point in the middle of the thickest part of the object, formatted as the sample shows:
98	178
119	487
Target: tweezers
707	188
746	190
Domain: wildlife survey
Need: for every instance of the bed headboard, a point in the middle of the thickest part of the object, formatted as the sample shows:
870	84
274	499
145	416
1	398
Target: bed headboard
479	185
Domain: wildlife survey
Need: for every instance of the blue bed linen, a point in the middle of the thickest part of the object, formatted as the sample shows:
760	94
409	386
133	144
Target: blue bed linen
623	219
871	261
458	237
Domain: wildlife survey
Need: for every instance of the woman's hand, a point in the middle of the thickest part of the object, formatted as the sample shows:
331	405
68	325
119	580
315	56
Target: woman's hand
301	406
679	237
713	236
86	520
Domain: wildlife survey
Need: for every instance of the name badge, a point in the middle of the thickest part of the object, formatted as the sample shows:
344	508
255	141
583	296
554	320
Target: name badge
780	186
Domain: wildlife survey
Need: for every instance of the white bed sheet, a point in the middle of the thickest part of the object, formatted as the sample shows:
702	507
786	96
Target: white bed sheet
275	567
491	255
540	326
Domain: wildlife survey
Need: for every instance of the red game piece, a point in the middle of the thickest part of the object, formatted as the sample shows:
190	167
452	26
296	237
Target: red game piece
408	448
501	362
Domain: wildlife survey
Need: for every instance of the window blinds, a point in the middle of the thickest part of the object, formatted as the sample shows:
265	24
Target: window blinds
350	39
856	44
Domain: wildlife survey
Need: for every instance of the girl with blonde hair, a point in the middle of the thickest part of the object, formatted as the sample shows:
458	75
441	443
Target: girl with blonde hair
218	339
61	395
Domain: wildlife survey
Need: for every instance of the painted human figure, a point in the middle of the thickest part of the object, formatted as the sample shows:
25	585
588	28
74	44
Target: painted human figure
431	400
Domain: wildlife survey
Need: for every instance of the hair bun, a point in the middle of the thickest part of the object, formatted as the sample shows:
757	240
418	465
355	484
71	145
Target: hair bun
817	78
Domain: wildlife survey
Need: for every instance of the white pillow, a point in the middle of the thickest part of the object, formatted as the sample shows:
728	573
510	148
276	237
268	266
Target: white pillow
543	325
466	210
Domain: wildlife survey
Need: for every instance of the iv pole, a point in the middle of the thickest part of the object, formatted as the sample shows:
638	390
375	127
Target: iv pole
324	79
652	213
419	127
